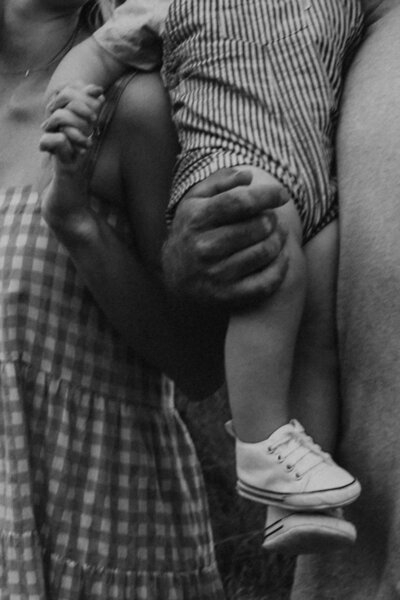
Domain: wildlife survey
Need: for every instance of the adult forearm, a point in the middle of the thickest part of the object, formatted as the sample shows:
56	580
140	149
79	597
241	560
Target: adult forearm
183	341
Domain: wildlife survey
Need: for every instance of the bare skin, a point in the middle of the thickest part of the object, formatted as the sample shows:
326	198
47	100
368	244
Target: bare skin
21	99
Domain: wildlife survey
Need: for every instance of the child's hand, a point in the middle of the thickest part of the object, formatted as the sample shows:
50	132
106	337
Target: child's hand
66	137
73	113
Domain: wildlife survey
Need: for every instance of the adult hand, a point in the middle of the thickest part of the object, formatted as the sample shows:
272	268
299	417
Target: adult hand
225	245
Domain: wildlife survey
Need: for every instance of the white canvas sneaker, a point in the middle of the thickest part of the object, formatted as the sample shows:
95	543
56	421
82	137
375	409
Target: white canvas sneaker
307	533
291	471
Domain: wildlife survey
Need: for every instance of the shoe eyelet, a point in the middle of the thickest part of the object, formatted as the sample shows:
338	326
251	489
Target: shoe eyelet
270	450
289	468
279	458
297	475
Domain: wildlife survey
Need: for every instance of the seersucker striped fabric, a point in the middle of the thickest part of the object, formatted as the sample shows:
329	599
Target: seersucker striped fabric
258	82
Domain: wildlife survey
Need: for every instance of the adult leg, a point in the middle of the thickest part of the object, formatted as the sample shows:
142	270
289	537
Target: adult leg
369	322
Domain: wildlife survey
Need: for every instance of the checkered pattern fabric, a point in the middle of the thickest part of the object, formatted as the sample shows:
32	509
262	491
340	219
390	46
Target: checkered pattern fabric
101	495
258	82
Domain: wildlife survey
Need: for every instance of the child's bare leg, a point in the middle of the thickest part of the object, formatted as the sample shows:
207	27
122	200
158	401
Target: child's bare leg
276	462
260	345
315	382
314	401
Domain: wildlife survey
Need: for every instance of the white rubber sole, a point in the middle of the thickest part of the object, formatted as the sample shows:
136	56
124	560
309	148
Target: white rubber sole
307	533
306	501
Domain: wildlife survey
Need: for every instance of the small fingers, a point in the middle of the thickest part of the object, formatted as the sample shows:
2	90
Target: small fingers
63	117
80	141
81	110
86	109
59	145
81	107
72	90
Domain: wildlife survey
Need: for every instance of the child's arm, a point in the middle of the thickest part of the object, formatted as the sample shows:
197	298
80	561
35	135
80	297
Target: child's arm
87	62
129	39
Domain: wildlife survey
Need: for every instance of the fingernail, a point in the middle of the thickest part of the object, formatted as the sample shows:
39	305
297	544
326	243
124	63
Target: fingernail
44	124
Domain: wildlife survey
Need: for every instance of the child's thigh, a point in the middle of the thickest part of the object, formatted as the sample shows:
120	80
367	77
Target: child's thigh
229	65
256	82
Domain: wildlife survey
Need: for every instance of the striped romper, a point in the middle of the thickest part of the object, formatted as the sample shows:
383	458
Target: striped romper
258	82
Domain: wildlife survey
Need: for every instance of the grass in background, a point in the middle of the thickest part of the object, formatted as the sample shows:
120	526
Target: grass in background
248	572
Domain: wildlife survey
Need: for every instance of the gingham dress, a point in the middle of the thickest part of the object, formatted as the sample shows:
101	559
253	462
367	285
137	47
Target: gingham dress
101	496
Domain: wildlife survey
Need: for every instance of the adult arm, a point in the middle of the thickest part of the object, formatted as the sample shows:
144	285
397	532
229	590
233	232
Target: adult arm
183	341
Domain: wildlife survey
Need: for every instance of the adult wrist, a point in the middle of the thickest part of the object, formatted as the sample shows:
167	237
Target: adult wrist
74	227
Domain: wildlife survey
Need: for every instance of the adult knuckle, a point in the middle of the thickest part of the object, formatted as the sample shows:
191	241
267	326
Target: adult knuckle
273	244
202	247
232	203
218	274
178	226
268	222
200	213
195	216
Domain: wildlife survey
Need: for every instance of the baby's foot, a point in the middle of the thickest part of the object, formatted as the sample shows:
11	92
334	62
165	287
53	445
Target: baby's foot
289	470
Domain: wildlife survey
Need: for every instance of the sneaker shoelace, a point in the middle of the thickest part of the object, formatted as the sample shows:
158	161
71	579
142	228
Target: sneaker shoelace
299	446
